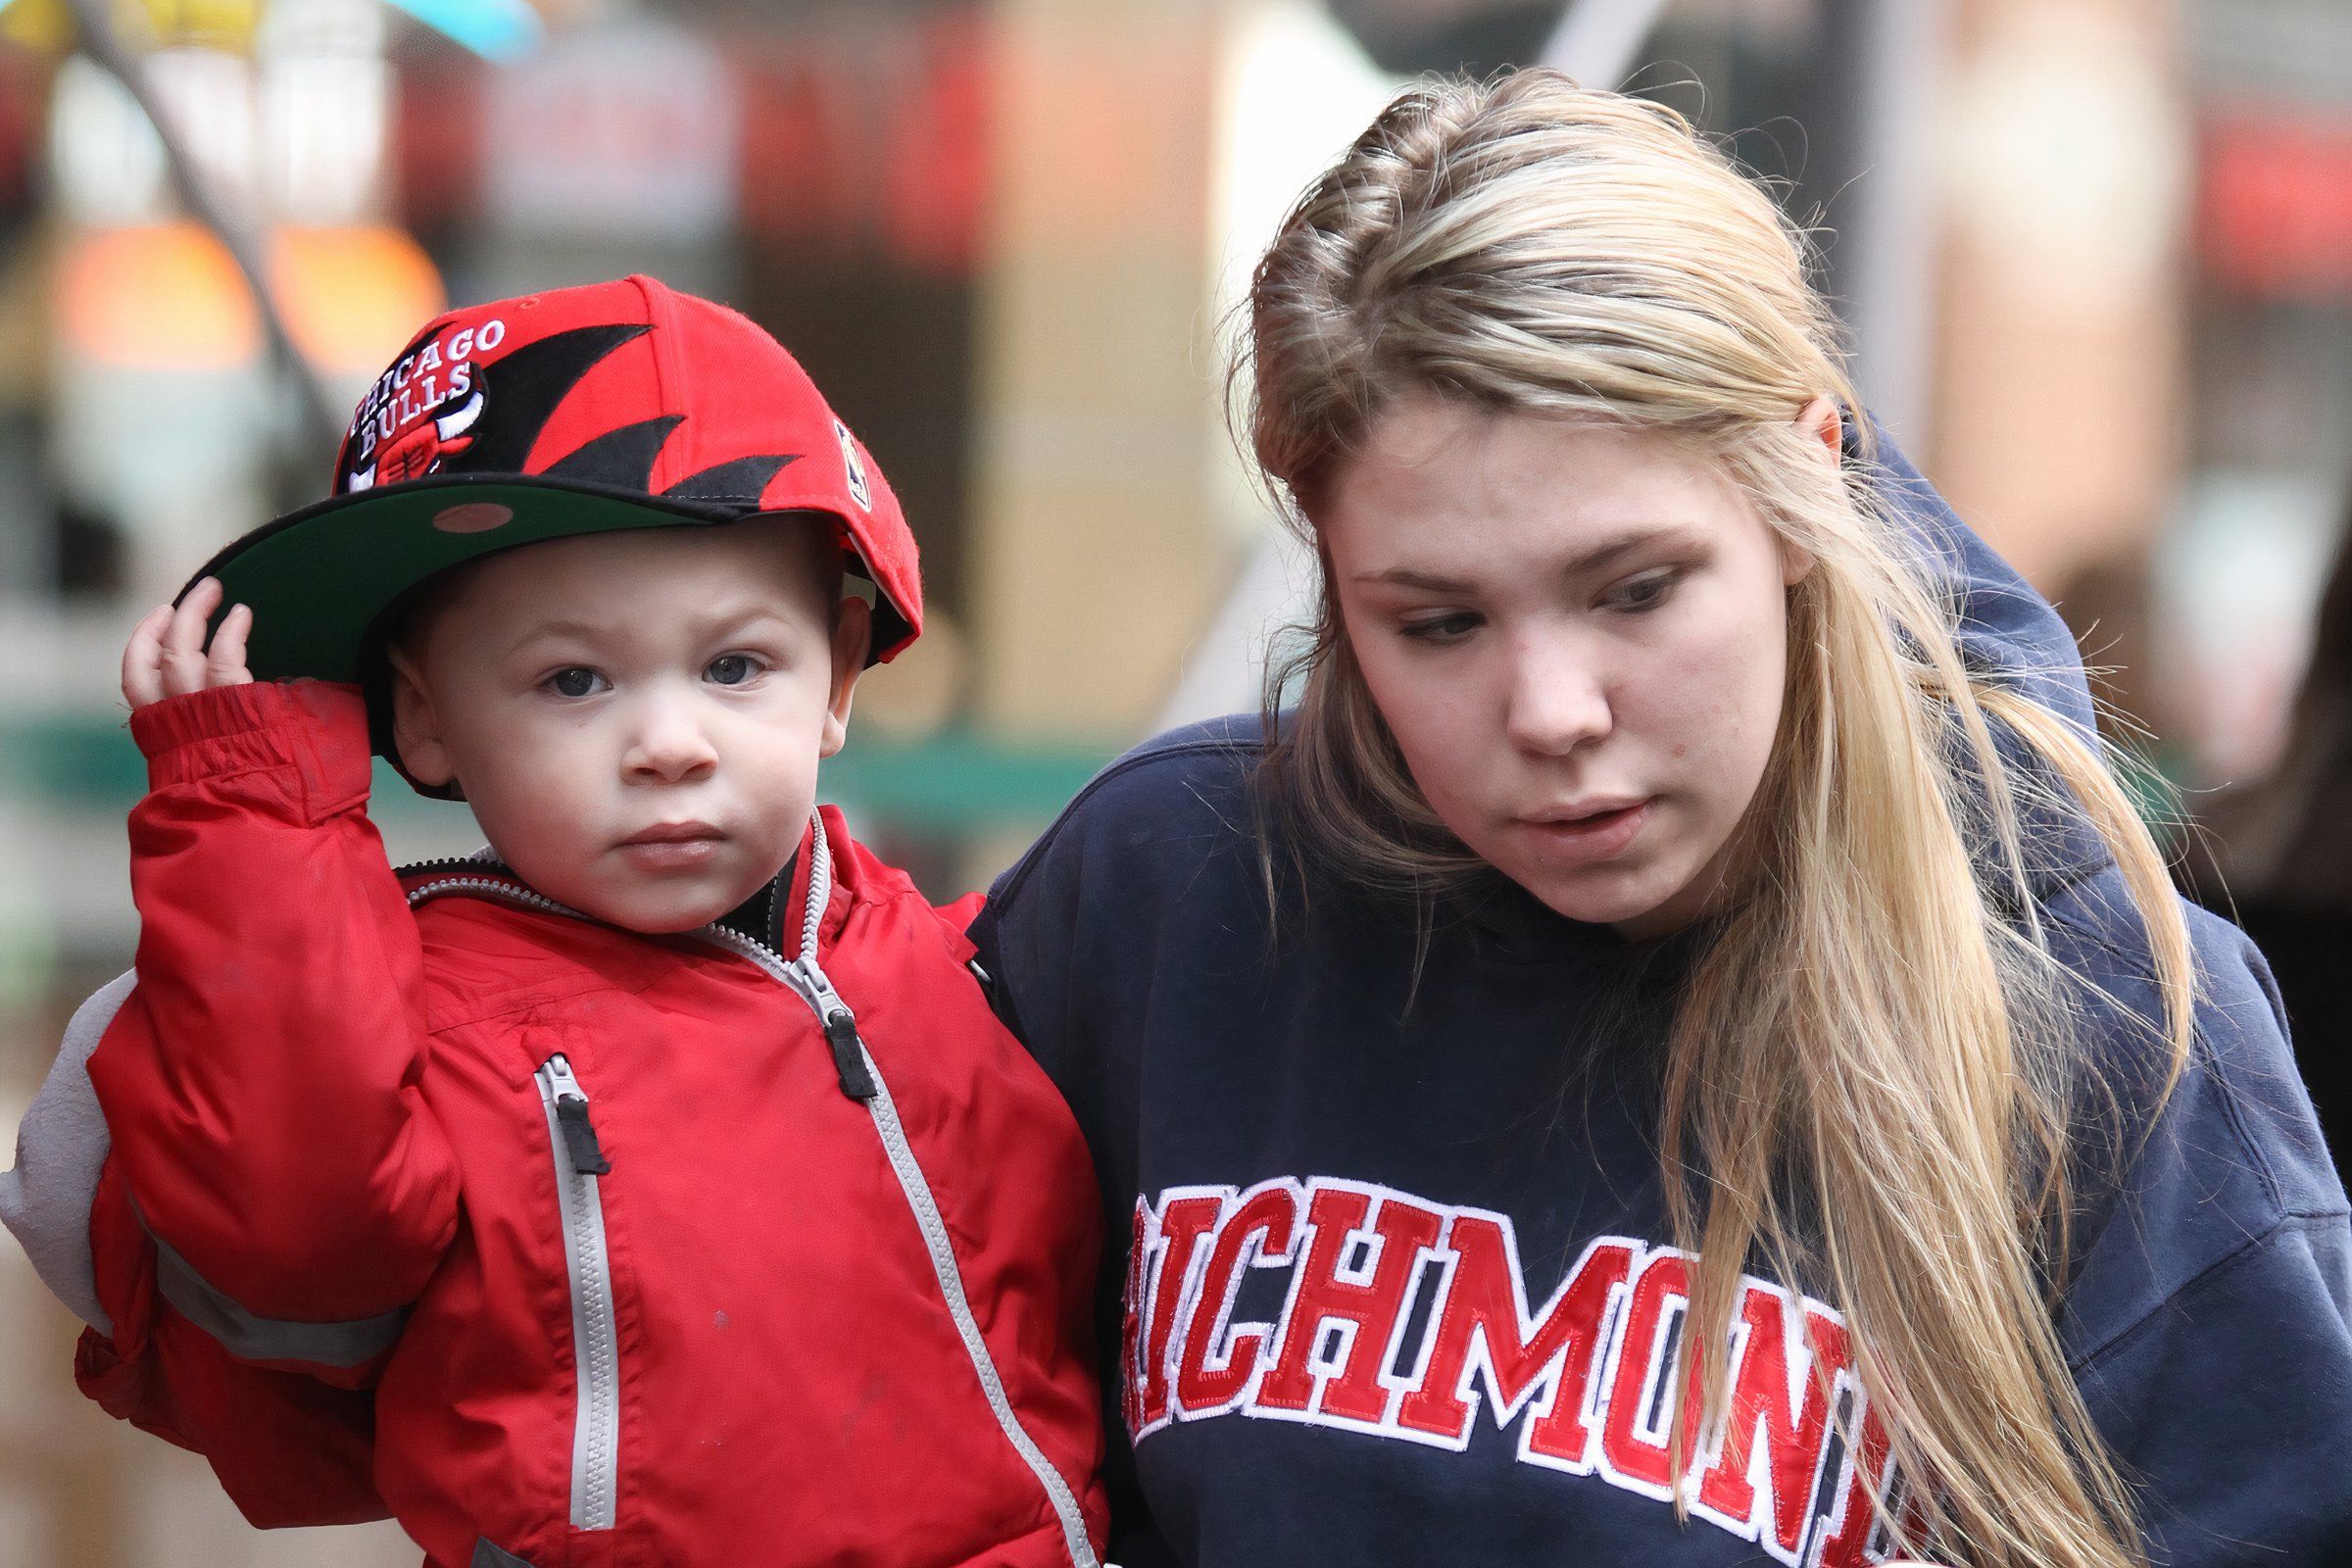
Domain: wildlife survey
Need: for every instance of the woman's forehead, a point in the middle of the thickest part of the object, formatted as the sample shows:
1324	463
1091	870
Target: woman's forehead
1440	479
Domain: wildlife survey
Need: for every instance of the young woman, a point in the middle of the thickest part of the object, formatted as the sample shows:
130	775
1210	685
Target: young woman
1673	1051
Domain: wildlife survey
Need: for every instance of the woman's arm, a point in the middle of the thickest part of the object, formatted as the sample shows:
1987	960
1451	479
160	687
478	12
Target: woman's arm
2210	1323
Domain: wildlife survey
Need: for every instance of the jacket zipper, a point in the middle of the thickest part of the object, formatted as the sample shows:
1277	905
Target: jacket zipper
579	1163
596	1357
861	1080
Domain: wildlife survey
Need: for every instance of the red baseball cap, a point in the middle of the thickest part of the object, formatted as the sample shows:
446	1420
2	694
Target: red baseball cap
624	405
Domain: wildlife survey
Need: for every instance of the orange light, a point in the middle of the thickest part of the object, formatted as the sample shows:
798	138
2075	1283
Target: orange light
352	297
166	297
170	297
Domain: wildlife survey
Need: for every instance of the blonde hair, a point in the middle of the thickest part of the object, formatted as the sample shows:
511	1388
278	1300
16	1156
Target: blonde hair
1877	1066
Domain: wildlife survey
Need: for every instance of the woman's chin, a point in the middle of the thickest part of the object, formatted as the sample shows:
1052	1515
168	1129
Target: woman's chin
1637	901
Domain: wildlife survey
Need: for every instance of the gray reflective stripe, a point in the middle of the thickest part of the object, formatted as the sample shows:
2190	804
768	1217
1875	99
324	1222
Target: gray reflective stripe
950	1284
806	979
265	1339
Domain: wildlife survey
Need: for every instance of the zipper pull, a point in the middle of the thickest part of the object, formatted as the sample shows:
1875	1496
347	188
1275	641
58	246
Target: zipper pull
579	1139
580	1147
841	1033
849	1058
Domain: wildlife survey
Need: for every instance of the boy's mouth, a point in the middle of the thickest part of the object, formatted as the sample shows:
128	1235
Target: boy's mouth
672	846
673	833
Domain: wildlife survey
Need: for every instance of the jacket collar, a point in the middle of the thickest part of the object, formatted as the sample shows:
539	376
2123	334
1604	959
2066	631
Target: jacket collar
771	915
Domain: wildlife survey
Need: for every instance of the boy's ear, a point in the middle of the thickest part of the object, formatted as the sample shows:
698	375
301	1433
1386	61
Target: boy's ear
852	634
416	728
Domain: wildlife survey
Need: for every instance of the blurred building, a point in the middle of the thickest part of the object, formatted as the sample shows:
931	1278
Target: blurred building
2097	256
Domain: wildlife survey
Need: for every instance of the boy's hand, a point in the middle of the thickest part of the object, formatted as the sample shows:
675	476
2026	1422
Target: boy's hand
166	655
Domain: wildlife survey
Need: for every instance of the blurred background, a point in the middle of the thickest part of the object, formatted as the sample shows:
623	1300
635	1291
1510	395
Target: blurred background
2097	256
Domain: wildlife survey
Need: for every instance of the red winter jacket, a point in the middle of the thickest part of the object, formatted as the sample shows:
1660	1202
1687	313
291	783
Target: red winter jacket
629	1259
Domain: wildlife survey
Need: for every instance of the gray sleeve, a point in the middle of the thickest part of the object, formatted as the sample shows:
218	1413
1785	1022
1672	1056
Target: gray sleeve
45	1202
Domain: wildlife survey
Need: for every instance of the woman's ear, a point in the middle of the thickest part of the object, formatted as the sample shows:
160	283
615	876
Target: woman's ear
1821	419
416	728
1823	425
853	635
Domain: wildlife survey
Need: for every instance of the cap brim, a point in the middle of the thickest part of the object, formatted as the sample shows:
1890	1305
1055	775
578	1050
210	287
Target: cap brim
319	580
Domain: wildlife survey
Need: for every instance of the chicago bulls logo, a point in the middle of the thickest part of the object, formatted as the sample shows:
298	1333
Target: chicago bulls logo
467	402
422	447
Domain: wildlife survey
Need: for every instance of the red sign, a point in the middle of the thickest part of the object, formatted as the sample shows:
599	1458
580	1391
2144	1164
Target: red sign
2275	214
871	140
862	138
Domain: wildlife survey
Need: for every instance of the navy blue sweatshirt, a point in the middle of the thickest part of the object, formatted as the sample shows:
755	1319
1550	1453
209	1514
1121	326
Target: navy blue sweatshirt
1388	1277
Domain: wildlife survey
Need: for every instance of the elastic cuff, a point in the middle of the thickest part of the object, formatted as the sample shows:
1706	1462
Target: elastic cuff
318	727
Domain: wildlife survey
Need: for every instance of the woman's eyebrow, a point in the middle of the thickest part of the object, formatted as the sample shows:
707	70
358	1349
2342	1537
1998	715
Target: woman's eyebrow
1409	578
1610	552
1584	561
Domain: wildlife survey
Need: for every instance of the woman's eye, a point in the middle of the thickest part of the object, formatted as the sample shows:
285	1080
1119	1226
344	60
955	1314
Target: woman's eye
574	681
1647	591
1440	628
732	669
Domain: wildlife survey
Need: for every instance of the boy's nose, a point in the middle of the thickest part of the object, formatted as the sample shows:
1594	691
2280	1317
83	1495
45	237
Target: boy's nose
670	749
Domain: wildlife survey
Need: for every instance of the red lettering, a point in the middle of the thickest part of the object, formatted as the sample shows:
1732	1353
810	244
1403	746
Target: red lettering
1485	1312
1768	1416
1352	1254
1868	1476
1402	1231
1263	1222
1158	1271
1644	1368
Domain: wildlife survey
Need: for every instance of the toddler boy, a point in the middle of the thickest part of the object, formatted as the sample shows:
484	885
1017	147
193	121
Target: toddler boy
660	1173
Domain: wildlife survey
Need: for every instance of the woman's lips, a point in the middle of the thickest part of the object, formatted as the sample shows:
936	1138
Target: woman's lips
1587	840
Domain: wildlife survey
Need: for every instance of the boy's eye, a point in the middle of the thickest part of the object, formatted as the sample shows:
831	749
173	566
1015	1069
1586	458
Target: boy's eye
732	669
573	681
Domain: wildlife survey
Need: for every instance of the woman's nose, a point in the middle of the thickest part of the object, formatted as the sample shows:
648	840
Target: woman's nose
668	746
1558	698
